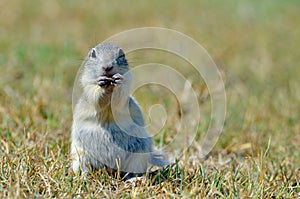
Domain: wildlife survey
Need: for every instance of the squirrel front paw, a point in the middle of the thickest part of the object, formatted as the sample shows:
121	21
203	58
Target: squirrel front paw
103	81
117	79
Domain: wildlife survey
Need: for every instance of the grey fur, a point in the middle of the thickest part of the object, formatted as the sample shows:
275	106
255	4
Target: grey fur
105	132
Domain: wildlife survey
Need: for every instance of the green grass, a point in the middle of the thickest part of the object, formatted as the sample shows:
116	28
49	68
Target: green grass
255	45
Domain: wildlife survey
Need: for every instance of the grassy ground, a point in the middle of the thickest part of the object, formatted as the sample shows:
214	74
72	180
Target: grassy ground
254	43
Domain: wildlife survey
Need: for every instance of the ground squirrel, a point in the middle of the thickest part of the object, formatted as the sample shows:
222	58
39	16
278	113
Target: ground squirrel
108	126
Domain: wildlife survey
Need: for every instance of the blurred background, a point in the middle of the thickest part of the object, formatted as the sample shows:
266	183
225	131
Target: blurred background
254	43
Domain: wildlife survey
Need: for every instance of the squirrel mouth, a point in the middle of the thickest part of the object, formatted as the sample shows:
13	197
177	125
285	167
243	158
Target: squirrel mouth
108	75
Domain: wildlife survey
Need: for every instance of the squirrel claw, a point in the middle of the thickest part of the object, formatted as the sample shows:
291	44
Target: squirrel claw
103	84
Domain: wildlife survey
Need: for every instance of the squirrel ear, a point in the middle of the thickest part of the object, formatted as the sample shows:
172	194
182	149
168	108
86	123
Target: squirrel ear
121	53
93	53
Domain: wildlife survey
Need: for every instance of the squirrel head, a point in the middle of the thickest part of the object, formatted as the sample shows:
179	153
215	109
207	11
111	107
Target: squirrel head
105	59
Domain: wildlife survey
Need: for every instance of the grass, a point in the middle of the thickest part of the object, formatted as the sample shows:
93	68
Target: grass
255	45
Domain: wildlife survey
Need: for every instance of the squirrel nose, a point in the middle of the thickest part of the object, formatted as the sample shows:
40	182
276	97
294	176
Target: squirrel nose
107	68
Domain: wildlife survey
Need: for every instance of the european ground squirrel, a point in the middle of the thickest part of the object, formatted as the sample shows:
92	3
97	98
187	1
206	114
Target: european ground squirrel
108	126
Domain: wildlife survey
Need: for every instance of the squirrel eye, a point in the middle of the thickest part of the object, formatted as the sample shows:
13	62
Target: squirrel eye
93	53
